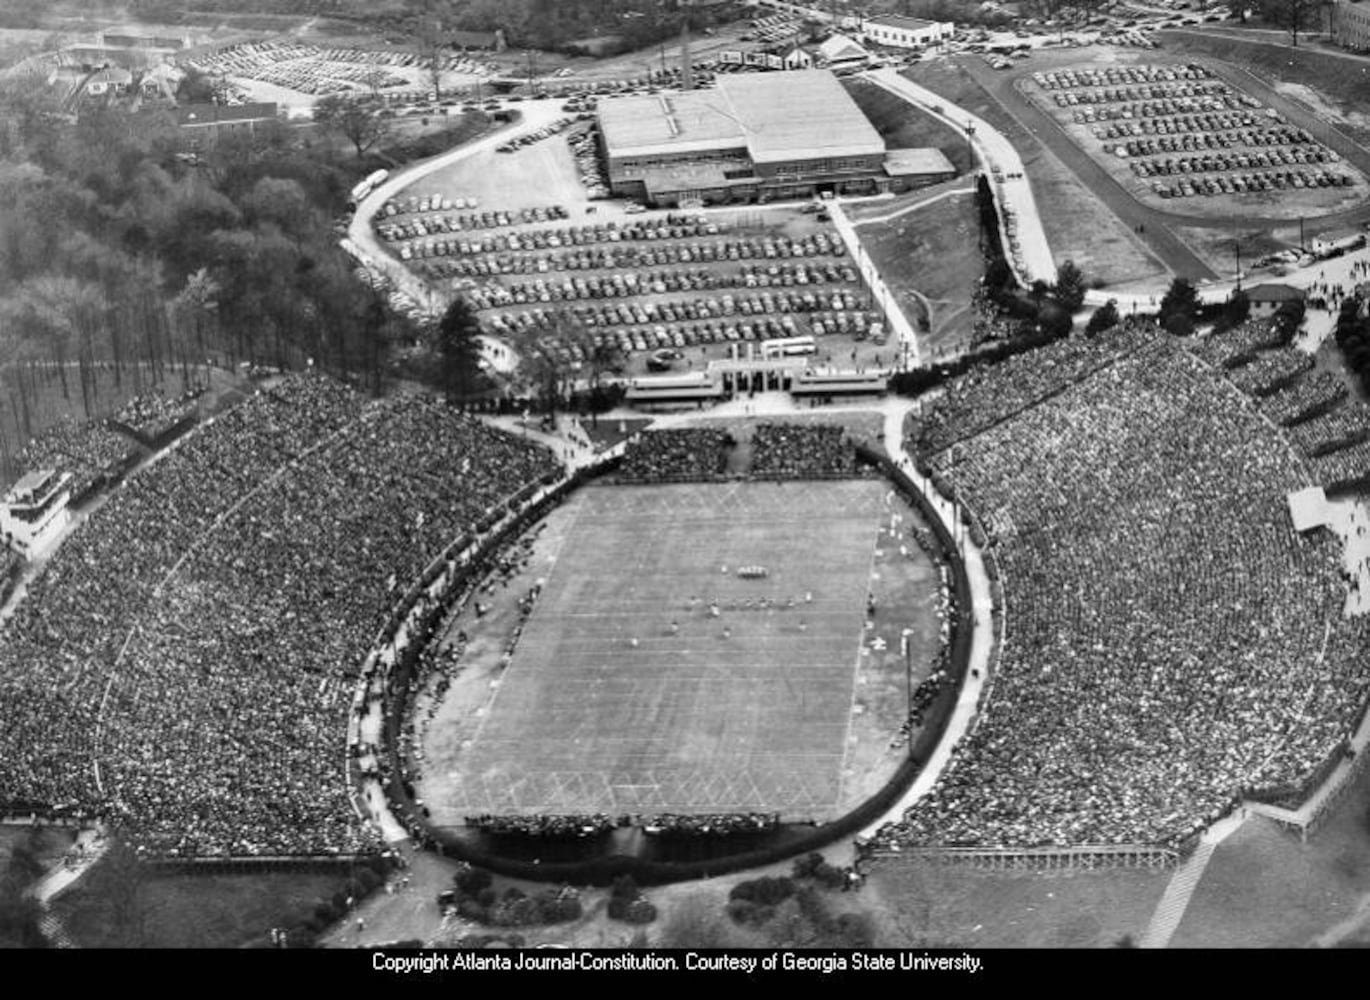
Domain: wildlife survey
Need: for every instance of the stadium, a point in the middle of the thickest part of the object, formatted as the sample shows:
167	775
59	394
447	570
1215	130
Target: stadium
753	137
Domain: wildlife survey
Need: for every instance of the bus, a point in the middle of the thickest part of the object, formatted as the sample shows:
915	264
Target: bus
367	185
788	347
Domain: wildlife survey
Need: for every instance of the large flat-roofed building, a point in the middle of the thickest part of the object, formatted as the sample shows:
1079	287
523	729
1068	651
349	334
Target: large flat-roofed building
761	136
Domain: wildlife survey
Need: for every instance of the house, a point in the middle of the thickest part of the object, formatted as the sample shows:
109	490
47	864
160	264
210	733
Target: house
840	53
485	40
112	81
1266	299
161	81
1349	238
906	32
797	58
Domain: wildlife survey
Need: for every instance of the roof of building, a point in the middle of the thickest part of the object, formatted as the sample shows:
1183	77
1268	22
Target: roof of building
839	47
799	114
910	162
1308	508
693	121
112	74
786	115
1274	292
897	21
217	114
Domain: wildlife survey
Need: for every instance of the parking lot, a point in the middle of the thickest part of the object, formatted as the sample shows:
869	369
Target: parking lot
1175	135
559	273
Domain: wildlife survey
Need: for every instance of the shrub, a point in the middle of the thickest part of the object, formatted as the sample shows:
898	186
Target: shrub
830	877
472	880
640	911
764	891
617	907
369	881
625	887
749	914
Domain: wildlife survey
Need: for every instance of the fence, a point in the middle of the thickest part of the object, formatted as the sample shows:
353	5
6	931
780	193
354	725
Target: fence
1039	859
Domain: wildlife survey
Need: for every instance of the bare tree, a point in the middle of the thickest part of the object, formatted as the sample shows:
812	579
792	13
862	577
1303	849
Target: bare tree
358	118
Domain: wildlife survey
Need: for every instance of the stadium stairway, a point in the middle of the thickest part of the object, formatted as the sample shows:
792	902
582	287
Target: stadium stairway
54	931
1171	909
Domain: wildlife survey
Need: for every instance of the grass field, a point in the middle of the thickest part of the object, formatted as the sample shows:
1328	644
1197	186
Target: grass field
903	126
696	721
930	259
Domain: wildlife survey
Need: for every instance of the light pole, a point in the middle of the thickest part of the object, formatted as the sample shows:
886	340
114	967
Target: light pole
970	143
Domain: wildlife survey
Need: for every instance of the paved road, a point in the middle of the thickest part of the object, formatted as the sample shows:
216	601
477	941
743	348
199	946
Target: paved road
993	150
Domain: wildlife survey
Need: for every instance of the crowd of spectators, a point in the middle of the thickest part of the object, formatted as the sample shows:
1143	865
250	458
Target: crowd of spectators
1348	424
1171	643
153	414
185	663
1270	371
551	827
88	450
708	824
802	451
986	396
687	454
1304	398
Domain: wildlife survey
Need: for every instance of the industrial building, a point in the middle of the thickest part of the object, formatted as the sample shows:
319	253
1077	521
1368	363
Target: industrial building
754	137
906	32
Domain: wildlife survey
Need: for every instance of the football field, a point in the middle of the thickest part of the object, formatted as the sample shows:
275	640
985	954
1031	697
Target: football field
693	650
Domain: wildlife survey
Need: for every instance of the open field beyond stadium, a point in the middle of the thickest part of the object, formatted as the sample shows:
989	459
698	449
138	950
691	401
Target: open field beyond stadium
606	708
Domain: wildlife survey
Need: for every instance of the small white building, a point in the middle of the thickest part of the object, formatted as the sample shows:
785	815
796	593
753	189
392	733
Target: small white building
839	52
906	32
34	511
797	58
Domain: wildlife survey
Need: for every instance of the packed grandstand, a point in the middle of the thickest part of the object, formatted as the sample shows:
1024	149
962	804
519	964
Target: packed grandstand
184	666
1170	643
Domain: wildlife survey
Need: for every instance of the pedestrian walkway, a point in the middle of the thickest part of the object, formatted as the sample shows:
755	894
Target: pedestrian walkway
1171	909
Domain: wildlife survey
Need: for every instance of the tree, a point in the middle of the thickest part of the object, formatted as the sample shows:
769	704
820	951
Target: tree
1070	286
1291	15
1179	307
1237	308
358	118
459	351
1288	318
1039	291
1104	318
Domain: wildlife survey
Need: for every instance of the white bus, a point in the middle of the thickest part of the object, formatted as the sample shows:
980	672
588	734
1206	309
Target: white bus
369	184
788	347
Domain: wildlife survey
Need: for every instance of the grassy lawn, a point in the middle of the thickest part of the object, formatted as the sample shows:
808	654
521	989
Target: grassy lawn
190	910
929	906
1264	888
903	126
931	253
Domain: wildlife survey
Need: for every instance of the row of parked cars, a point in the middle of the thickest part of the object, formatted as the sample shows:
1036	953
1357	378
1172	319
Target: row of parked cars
1228	150
1251	182
632	283
1113	76
1214	162
631	255
1248	128
431	223
586	152
537	135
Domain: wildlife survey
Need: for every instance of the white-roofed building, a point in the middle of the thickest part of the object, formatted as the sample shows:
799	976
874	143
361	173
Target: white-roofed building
758	136
906	32
840	53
